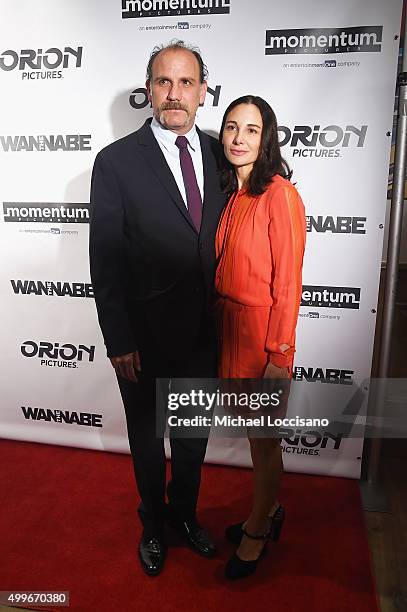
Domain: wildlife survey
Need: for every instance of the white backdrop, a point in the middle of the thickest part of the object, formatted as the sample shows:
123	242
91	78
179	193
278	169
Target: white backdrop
69	71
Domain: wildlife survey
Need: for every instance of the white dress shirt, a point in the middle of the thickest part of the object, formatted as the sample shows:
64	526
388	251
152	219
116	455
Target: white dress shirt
166	139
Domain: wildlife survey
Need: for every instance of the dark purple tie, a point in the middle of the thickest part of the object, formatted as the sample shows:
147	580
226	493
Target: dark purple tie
194	199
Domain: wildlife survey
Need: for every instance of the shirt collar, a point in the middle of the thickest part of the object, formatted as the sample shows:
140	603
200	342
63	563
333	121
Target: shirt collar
168	138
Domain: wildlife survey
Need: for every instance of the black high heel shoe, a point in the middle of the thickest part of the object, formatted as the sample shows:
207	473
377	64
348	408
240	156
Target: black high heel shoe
234	533
277	521
236	568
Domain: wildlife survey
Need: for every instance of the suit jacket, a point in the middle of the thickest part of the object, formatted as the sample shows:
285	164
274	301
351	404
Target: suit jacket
151	272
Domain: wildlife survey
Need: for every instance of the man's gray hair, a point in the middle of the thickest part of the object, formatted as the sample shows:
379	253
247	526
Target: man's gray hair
175	45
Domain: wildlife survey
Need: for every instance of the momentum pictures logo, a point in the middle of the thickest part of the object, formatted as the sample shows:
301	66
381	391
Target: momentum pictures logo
53	354
45	212
51	288
31	63
170	8
361	39
330	297
317	315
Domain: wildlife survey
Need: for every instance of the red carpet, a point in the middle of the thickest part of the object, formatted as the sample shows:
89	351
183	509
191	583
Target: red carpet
68	522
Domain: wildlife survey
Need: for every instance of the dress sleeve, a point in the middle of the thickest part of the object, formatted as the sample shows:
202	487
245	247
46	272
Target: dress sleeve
287	230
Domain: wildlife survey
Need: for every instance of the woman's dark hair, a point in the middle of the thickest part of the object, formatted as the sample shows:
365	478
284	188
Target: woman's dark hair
269	161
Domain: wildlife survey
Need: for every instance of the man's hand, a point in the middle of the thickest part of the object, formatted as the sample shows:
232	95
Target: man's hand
273	371
127	366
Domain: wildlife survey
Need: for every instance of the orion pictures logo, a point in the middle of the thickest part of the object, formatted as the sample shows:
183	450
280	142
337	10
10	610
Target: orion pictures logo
87	419
52	288
35	64
330	297
303	442
336	225
45	212
314	141
360	39
138	98
54	354
171	8
43	142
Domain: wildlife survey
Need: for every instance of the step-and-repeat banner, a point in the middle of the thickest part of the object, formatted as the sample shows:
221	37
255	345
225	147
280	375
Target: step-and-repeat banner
72	80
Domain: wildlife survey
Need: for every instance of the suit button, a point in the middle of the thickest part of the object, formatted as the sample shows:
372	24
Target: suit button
197	289
201	246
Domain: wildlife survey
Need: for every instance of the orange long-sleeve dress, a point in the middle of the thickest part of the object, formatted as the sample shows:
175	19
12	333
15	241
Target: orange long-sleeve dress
259	247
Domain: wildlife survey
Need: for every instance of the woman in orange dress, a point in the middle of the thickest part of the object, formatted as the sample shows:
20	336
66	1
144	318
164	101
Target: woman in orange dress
259	246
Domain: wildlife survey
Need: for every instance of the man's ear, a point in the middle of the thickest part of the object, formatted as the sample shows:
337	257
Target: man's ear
148	88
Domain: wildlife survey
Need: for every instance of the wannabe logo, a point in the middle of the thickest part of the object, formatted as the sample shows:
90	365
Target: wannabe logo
361	39
314	141
45	212
168	8
330	297
323	375
31	62
88	419
300	442
336	225
52	354
51	288
52	142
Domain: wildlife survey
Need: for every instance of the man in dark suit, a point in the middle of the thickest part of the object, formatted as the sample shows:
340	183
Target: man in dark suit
156	202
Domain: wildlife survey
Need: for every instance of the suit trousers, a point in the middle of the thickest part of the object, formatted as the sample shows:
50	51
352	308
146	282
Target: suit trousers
147	449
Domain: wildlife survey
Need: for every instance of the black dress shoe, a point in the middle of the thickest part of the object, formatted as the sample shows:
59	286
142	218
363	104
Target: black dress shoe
197	538
237	568
152	551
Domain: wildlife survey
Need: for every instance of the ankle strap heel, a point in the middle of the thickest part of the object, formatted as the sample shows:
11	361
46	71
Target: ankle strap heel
264	536
238	568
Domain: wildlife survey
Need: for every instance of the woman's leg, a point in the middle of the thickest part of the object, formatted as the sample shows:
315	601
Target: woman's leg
267	471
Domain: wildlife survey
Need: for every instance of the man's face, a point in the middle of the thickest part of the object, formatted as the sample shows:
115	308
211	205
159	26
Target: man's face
175	90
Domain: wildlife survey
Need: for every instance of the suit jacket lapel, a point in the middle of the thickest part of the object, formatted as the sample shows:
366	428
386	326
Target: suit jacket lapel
155	157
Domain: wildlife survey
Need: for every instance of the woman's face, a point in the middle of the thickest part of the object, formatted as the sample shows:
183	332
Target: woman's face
242	135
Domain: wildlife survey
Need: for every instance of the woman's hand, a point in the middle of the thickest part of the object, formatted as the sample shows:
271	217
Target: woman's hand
272	371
